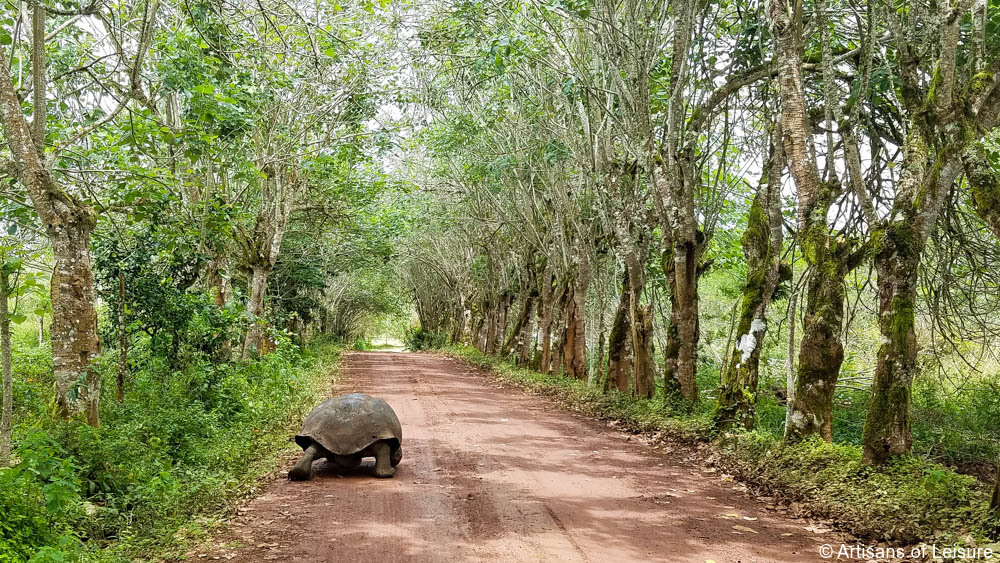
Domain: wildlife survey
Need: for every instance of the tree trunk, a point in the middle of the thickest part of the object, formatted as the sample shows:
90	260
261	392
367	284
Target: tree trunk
548	313
7	414
685	303
793	315
74	320
41	330
640	324
569	336
671	385
491	331
68	223
255	307
762	246
821	351
618	359
122	339
525	342
580	368
887	426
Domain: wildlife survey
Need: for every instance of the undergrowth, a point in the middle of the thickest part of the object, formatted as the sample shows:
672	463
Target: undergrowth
181	447
911	500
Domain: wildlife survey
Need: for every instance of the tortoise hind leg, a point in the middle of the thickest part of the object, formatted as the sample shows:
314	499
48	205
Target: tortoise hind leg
383	465
303	469
397	456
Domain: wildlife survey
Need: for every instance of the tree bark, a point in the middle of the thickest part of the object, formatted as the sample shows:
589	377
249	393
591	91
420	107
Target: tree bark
887	426
575	357
761	243
640	326
7	414
686	256
618	359
254	342
68	223
549	297
821	351
671	385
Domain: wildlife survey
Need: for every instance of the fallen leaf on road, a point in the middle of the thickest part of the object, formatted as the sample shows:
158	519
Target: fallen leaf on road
745	529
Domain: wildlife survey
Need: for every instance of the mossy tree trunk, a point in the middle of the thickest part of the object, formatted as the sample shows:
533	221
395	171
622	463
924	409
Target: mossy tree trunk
762	248
828	256
887	426
821	351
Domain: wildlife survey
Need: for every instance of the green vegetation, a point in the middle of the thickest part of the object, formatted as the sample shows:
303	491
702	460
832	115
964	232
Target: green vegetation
778	216
182	444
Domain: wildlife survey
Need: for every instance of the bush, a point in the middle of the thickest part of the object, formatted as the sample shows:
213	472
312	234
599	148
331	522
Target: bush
39	501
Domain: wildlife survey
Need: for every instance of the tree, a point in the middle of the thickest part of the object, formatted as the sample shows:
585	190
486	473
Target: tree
68	219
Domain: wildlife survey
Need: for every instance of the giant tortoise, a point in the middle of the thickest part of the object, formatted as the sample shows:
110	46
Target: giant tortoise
346	429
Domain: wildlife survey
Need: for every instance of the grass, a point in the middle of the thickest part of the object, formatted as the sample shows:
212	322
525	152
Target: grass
911	500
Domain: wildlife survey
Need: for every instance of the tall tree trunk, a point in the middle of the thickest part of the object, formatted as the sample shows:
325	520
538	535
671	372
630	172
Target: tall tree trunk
7	414
640	325
899	248
618	359
74	319
821	351
68	223
569	336
576	326
793	316
681	364
671	385
549	297
887	426
761	243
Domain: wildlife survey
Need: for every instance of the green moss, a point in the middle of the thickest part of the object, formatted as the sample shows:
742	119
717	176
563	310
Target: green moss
980	82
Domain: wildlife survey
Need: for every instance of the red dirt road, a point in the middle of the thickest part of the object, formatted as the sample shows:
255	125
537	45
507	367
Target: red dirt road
491	474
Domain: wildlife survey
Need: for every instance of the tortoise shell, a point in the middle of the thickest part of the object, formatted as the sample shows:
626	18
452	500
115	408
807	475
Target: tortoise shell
347	424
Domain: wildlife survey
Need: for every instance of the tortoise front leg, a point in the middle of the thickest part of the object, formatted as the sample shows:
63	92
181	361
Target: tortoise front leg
303	469
383	465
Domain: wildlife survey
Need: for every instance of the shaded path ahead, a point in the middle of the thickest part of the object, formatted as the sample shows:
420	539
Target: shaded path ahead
490	474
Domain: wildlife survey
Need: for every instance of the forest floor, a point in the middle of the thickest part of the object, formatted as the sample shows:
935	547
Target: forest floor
492	474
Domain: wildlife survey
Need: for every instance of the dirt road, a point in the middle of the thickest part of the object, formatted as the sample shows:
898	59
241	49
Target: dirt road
490	474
